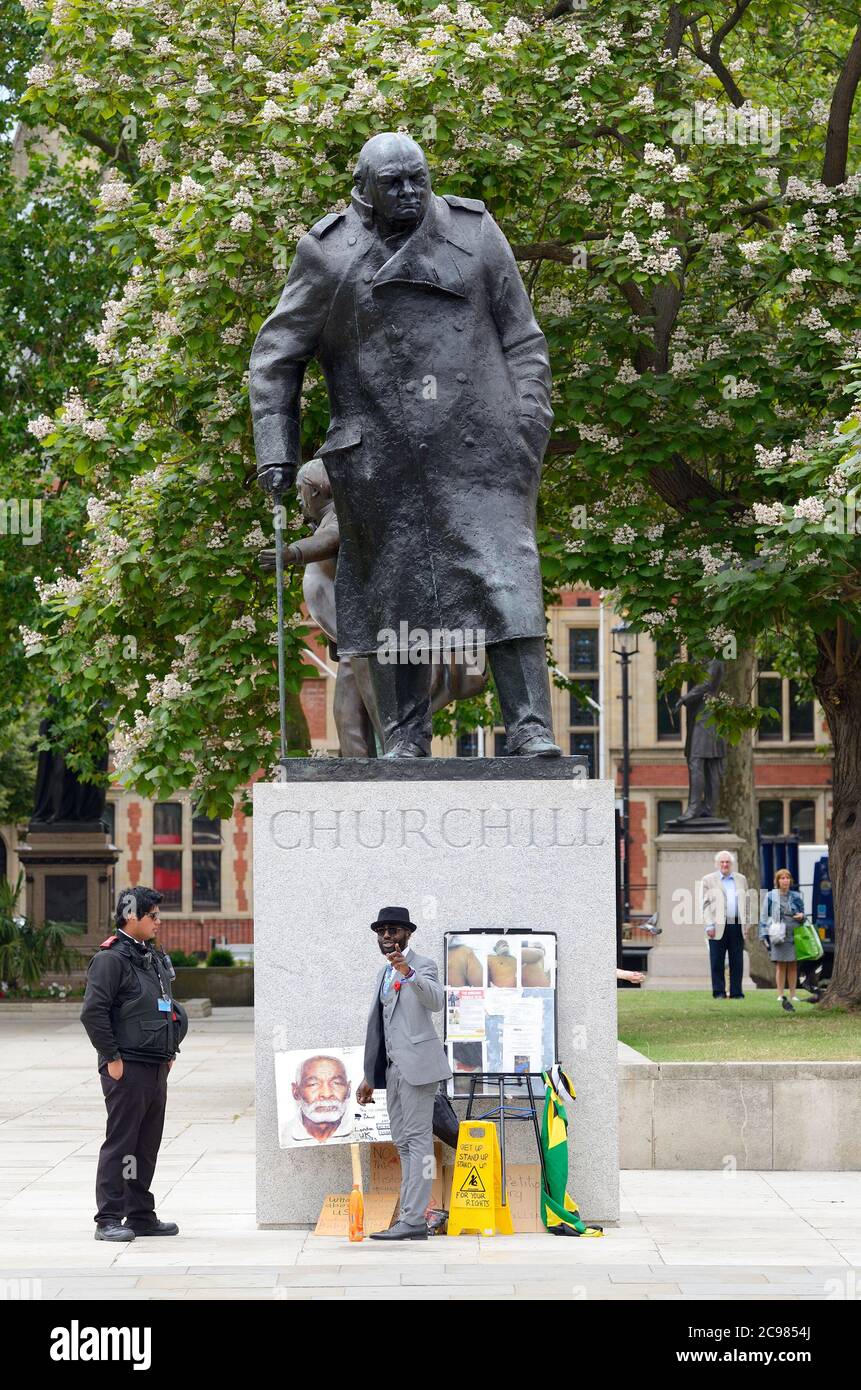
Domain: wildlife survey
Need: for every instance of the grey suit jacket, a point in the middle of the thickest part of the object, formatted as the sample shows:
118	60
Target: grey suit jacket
413	1040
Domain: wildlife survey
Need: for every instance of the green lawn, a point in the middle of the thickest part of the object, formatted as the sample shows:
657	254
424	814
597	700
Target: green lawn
690	1026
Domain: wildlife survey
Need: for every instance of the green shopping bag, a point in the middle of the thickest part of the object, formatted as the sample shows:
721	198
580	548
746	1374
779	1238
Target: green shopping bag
808	944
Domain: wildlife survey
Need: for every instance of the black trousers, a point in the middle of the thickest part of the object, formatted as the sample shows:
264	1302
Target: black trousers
731	944
402	692
127	1159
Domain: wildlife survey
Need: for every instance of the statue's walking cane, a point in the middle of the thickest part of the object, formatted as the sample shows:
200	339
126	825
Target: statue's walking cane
279	584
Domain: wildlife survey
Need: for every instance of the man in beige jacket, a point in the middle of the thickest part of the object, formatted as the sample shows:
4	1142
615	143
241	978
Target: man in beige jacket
724	912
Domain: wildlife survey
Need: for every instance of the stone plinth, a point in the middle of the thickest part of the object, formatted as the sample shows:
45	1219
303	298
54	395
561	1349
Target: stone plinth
681	958
69	871
461	843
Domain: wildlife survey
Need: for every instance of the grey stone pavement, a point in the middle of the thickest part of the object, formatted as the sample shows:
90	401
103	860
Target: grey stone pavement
683	1235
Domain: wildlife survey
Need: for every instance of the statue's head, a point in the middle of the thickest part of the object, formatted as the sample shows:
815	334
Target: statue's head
314	489
392	175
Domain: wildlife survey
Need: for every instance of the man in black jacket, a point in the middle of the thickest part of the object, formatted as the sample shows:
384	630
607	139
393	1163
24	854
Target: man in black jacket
136	1028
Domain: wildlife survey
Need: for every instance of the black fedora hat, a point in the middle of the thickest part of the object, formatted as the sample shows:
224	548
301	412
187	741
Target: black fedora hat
397	916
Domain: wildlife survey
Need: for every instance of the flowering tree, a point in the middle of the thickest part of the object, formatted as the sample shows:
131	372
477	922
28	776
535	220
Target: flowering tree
714	477
673	178
46	216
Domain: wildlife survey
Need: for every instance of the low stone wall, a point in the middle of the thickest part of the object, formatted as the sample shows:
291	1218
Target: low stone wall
752	1115
228	986
47	1008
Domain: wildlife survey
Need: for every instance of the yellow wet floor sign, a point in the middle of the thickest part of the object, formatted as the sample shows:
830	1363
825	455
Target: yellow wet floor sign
476	1206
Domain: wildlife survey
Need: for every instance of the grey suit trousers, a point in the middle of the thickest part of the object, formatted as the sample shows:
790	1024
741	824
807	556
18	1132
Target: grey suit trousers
411	1118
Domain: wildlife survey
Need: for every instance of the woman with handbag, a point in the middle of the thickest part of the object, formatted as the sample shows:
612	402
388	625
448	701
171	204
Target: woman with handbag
784	909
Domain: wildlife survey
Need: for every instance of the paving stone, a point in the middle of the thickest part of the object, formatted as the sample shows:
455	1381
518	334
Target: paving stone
683	1236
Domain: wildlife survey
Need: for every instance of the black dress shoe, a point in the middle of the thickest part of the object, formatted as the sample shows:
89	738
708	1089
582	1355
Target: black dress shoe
401	1232
113	1230
407	750
155	1228
541	746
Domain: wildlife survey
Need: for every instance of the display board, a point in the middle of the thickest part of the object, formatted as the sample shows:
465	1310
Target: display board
500	1013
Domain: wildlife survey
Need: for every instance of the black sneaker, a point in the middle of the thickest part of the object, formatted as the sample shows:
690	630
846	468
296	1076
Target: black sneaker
785	1004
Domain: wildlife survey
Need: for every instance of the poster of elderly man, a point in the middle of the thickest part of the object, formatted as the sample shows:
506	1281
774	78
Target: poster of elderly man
316	1097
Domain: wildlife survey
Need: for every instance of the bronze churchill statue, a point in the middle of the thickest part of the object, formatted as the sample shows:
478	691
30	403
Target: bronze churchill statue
439	393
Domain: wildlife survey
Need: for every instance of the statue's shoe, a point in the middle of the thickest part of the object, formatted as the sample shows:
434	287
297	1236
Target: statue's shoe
407	750
541	746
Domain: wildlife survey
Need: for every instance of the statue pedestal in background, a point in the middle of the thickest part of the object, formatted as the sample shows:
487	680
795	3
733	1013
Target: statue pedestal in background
69	871
488	843
68	858
681	960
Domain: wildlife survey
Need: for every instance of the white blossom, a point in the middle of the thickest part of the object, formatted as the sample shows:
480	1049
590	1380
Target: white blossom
189	190
768	513
41	74
115	192
809	509
43	425
33	641
271	111
664	158
644	100
624	535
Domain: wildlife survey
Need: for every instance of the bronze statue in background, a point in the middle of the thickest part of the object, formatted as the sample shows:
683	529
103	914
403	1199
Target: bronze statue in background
439	393
60	798
705	754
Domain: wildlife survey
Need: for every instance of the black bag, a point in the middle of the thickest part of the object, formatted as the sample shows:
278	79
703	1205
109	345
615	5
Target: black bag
445	1121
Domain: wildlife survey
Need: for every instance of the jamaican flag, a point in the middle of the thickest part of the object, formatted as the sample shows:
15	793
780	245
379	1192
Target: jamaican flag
557	1208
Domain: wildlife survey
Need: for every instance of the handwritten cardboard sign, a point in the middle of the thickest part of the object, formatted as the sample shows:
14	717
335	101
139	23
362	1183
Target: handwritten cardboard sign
334	1219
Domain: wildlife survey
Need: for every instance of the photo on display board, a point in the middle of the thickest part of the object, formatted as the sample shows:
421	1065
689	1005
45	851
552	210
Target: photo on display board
315	1092
465	964
467	1057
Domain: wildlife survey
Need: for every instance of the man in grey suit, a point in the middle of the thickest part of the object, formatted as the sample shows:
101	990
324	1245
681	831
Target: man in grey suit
404	1054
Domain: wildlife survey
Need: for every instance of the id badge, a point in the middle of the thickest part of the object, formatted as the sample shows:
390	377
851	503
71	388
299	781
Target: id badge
164	1006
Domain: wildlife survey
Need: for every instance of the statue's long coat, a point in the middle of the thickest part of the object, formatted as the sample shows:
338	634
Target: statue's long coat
703	739
439	394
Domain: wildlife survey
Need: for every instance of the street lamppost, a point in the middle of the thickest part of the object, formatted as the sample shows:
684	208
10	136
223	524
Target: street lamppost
626	644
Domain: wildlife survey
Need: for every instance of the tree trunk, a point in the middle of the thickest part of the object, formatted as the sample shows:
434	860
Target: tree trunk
738	802
838	687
